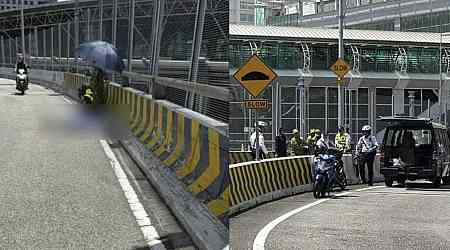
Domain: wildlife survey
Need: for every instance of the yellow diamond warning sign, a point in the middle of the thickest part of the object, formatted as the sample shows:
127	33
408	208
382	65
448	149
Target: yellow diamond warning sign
255	76
340	67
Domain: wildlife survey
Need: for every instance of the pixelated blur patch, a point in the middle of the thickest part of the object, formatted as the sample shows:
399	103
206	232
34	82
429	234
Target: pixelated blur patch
86	121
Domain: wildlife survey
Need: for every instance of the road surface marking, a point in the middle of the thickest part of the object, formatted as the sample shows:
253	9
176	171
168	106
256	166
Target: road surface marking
260	239
67	100
151	236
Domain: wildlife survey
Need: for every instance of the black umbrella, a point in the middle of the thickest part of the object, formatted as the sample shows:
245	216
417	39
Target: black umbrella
102	55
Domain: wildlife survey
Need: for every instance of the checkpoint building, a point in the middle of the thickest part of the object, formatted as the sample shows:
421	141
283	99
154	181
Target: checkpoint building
387	67
398	15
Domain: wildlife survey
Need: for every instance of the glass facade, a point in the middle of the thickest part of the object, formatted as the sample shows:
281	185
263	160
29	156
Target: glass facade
372	58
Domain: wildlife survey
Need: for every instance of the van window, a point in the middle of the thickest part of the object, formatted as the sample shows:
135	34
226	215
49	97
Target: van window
421	136
396	138
389	137
445	140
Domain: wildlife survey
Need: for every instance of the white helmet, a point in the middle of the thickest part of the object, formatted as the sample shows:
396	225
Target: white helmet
366	128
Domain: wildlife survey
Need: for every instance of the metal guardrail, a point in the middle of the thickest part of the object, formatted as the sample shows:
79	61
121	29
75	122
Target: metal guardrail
212	101
219	93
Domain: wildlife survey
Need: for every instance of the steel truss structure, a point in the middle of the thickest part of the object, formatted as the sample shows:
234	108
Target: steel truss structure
149	30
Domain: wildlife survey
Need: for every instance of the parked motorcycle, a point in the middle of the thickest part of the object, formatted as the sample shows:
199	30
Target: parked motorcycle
21	81
328	172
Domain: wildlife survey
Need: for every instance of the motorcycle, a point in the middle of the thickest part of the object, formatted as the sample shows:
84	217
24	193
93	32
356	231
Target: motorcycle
328	173
21	81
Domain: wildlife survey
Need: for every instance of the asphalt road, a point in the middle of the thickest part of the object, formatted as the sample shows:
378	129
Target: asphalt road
413	217
57	187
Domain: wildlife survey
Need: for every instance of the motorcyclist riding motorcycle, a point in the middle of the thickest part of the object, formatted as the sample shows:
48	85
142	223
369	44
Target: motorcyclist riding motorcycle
21	65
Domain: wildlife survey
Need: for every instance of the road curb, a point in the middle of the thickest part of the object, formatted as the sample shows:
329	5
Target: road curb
204	229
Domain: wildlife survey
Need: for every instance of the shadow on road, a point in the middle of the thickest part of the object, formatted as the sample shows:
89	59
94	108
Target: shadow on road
425	187
55	94
344	196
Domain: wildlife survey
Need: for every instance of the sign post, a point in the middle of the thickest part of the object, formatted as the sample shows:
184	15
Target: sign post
340	68
255	76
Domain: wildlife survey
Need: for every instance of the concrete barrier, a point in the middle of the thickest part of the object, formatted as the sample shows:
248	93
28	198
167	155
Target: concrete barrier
195	147
255	182
259	181
244	156
72	82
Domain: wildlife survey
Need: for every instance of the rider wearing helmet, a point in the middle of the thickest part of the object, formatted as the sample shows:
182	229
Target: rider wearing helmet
21	65
367	149
321	144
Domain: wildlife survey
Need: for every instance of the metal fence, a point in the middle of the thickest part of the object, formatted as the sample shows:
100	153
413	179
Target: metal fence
158	39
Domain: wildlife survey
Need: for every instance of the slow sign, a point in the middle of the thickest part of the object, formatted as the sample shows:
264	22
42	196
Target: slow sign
256	104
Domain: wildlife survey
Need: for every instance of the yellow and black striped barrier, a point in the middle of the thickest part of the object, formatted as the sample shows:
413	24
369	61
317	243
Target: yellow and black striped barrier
258	181
72	82
244	156
197	153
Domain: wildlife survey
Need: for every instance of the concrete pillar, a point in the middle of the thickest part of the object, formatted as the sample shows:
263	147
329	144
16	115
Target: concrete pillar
372	108
411	103
276	108
397	26
399	100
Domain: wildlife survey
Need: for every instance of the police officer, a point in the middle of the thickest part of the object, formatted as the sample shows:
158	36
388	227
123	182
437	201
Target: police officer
297	144
281	144
262	147
366	149
342	140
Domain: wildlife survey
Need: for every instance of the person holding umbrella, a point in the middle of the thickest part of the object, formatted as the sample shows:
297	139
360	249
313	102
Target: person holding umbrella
105	59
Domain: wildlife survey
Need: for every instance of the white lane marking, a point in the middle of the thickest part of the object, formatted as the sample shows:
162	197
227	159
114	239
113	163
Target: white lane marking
260	239
151	236
67	100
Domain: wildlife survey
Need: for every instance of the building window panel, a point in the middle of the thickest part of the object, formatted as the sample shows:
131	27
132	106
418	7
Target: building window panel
316	95
384	96
317	123
363	96
332	111
317	110
332	95
363	111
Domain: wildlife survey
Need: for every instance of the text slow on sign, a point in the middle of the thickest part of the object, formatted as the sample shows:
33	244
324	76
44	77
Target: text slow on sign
256	104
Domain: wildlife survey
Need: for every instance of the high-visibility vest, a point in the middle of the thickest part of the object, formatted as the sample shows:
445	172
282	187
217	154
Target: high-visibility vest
341	139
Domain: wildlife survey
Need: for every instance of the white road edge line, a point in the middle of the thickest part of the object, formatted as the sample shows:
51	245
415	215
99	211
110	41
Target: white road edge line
151	236
260	239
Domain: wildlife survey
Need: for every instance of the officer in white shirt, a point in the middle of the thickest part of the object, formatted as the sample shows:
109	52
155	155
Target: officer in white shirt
262	148
367	150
